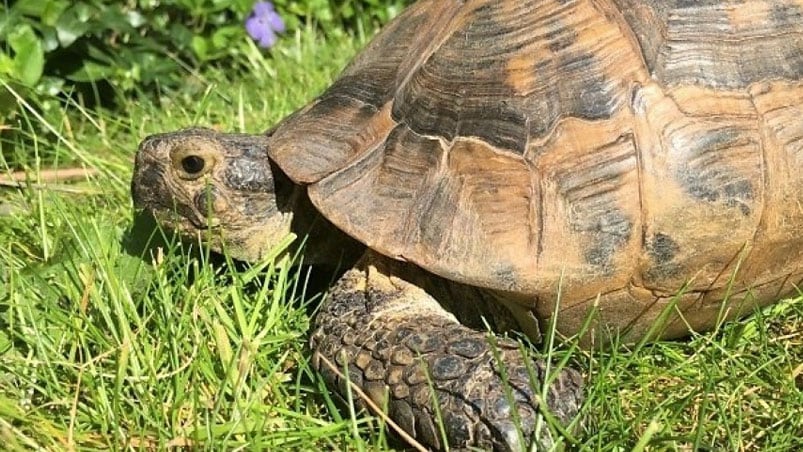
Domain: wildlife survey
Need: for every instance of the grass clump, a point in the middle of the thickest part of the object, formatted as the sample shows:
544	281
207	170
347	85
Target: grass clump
739	388
110	337
114	338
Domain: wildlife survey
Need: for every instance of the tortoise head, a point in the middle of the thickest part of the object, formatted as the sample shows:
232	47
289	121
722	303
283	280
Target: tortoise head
218	186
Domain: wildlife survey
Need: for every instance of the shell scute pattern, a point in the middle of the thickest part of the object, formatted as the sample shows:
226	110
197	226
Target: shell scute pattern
616	145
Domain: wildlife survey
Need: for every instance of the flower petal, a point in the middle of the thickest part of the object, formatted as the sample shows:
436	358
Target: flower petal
268	39
275	21
263	8
255	27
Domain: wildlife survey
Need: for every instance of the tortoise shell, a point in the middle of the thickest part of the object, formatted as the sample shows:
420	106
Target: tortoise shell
620	149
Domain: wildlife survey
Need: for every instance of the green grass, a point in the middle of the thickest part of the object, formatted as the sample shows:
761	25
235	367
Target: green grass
111	338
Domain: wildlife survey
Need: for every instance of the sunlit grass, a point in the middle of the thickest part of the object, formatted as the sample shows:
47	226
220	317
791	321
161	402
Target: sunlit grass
109	342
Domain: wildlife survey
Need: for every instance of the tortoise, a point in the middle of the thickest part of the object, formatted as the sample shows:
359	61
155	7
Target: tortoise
617	169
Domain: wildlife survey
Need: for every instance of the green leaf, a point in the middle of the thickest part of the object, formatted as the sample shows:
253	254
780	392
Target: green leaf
200	47
52	11
71	25
29	58
30	8
7	22
50	41
6	64
224	37
115	18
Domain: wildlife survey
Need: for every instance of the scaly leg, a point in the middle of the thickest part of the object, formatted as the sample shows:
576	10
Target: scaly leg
404	350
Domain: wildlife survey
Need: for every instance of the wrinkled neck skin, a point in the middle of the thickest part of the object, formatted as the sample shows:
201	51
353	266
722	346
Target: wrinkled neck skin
323	243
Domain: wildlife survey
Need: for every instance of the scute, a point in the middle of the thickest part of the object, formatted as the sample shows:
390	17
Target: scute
510	70
351	116
724	44
441	207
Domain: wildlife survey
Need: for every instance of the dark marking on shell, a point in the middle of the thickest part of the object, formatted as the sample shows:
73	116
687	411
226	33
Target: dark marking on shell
730	194
506	277
356	87
608	232
334	105
736	195
786	14
695	42
443	203
561	36
594	96
662	250
688	3
595	188
374	83
463	89
706	175
582	91
501	125
454	94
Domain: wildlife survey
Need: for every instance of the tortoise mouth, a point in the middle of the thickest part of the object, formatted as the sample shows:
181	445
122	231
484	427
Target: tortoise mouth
180	219
151	196
185	223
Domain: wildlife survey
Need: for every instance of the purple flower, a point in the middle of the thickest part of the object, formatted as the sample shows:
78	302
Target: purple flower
263	24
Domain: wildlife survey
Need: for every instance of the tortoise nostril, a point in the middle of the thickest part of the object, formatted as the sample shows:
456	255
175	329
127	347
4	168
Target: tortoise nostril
193	164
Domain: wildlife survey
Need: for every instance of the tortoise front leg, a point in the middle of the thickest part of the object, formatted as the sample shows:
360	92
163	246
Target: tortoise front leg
405	351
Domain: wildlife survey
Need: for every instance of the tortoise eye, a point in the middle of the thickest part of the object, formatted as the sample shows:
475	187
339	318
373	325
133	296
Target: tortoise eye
192	159
193	165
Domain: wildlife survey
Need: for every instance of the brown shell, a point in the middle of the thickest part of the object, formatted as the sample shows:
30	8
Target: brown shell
617	147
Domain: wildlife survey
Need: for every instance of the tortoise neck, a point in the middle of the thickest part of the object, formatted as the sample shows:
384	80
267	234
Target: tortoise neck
323	243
